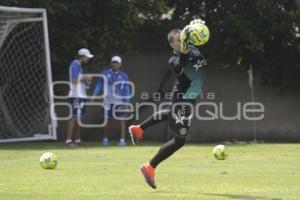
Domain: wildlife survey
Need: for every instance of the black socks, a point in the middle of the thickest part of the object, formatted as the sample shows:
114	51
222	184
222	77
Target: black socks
167	150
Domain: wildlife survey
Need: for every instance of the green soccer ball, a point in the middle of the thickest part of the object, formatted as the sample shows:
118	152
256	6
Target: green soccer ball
220	152
48	160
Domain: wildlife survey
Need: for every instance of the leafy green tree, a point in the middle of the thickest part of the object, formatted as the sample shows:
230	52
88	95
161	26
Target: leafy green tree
264	33
105	27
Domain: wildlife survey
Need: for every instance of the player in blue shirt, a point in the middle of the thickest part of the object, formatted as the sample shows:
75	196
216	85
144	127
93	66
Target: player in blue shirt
117	93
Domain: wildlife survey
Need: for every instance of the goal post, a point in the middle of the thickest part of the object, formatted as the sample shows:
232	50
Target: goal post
26	99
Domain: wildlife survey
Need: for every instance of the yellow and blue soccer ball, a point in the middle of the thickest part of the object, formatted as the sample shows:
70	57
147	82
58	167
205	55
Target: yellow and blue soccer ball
220	152
199	34
48	160
196	33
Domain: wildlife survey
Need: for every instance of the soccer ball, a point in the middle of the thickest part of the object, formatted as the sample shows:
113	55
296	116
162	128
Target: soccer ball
220	152
199	34
48	160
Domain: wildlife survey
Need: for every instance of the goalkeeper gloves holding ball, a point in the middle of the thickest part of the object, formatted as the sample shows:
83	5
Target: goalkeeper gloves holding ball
196	33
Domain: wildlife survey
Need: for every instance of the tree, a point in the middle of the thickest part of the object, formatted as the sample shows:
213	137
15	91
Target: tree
105	27
264	33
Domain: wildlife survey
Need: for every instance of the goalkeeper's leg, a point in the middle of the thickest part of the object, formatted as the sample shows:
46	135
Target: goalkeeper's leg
167	150
157	117
179	127
148	169
137	131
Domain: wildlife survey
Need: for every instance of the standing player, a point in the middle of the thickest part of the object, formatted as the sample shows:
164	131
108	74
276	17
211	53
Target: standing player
78	85
186	63
118	91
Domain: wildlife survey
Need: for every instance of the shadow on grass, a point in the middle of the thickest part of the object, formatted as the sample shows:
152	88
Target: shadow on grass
241	197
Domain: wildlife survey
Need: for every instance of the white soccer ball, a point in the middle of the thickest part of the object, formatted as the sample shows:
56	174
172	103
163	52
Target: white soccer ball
48	160
220	152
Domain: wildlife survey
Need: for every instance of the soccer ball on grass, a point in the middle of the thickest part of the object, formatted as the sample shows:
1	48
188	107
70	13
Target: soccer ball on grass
220	152
48	160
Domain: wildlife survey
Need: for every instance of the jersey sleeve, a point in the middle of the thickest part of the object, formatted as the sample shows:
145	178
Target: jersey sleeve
74	71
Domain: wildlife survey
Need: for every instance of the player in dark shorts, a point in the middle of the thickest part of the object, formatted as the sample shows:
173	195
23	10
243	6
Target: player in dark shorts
186	63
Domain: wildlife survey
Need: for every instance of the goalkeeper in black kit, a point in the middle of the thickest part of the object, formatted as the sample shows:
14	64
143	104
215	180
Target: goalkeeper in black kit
187	64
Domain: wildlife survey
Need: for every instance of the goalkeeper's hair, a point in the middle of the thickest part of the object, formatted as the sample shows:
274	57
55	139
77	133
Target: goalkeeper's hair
172	34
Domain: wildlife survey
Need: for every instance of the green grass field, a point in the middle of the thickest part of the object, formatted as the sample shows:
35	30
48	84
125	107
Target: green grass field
251	172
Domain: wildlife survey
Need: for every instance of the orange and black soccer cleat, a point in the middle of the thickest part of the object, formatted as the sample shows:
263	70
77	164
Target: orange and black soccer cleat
136	132
149	174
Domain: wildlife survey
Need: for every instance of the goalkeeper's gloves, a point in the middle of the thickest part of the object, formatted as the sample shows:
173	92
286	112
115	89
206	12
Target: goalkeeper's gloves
197	21
184	37
185	33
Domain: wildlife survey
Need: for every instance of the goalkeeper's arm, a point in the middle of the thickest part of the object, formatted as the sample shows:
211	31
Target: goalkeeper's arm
177	63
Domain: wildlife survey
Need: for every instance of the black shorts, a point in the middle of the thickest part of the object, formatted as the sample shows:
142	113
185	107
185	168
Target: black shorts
181	114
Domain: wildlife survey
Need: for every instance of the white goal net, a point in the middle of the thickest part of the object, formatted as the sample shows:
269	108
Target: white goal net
25	76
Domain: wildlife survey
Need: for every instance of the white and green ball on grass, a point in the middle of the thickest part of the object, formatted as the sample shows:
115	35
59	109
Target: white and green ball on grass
48	160
220	152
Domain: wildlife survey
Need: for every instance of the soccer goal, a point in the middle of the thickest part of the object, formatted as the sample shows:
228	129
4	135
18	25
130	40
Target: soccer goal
25	76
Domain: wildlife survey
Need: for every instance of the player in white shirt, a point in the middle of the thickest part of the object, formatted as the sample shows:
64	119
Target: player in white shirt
77	94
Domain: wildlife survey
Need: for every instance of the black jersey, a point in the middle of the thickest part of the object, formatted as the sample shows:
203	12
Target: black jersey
189	72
